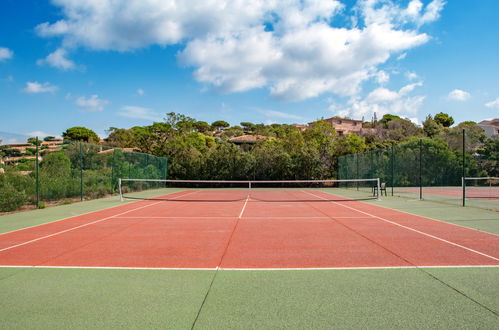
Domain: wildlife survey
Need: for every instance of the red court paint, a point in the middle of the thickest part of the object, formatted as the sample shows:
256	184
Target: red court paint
306	234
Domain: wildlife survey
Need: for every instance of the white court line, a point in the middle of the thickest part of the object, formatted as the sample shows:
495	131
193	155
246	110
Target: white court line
250	269
81	226
244	206
77	215
412	229
250	217
441	221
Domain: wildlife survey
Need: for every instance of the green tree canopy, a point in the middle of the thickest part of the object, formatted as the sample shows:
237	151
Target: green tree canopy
444	119
220	124
79	133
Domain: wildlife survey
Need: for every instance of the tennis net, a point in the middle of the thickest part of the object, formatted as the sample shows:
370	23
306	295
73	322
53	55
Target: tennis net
481	191
266	191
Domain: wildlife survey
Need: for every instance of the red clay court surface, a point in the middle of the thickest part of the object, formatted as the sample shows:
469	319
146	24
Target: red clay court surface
248	234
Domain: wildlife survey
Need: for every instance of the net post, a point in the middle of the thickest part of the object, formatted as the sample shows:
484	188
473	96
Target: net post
249	185
119	189
463	183
378	190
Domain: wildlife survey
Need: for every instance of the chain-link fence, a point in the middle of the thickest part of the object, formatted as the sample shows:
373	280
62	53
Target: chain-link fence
53	171
430	169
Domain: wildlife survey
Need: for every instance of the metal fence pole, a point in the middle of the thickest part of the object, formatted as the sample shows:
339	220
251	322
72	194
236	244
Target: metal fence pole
37	175
81	171
393	168
420	169
464	167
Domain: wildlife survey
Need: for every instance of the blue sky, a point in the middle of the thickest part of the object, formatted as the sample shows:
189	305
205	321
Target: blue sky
105	63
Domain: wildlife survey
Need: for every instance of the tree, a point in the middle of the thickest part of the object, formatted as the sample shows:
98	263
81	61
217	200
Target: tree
49	138
444	119
431	127
387	118
79	133
202	126
34	141
220	124
247	126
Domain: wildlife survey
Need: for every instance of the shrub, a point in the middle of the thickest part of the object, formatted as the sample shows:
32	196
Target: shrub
11	199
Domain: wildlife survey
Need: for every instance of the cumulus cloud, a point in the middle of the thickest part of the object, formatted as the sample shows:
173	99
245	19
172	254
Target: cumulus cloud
5	54
383	101
35	88
58	60
458	95
289	47
135	112
493	104
92	103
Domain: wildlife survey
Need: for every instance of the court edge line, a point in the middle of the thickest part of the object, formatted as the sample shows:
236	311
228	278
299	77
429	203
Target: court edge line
414	230
450	223
80	226
232	217
250	269
77	215
244	207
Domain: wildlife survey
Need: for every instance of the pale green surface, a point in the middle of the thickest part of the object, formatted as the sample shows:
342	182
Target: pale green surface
471	217
351	299
97	299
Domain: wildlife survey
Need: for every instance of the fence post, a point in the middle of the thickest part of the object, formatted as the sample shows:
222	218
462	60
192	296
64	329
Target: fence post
393	168
464	167
420	169
37	175
81	171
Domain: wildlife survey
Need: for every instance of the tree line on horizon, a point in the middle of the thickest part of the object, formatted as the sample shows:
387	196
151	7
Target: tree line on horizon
199	150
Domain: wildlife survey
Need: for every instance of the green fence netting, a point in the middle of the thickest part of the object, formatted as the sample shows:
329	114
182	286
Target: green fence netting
430	169
54	172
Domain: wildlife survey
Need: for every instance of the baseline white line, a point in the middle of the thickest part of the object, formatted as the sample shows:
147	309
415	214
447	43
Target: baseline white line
250	269
80	226
77	215
244	206
412	229
110	267
363	268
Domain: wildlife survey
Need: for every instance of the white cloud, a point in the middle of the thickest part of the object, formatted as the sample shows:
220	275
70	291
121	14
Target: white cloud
58	60
5	54
289	47
92	103
140	92
35	87
382	77
279	114
131	111
383	101
493	104
401	56
458	95
411	75
41	134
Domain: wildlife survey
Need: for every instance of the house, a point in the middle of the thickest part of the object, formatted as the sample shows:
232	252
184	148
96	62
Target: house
344	125
491	127
300	127
52	145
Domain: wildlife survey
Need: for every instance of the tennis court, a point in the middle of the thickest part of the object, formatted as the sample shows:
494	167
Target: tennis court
234	257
